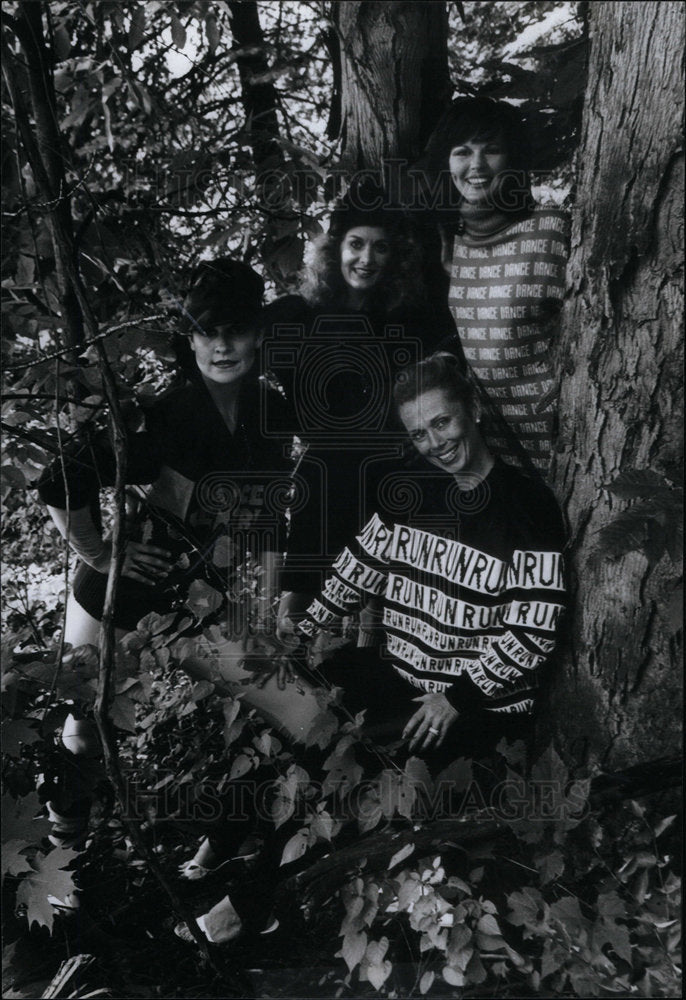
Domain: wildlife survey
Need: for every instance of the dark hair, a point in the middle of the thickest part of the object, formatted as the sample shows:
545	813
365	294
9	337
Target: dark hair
221	292
481	118
365	204
439	371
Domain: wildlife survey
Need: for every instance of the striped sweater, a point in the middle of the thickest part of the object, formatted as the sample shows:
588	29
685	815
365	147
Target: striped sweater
472	586
505	297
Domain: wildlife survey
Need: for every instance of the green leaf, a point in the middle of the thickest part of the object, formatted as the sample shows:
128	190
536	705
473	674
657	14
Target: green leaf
400	855
453	976
663	825
636	484
48	878
123	713
178	32
137	28
17	733
353	948
212	33
527	909
14	861
426	982
202	599
18	822
550	865
295	847
322	731
458	773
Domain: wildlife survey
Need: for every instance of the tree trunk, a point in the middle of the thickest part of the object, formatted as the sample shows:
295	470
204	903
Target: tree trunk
618	696
394	78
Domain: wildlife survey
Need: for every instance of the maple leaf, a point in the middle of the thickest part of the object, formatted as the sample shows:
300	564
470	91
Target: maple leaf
18	822
48	878
17	733
13	861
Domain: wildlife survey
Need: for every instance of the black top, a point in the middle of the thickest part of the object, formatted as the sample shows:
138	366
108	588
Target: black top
337	367
205	488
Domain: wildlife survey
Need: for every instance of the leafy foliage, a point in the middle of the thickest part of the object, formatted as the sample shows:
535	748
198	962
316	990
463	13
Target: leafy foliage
653	524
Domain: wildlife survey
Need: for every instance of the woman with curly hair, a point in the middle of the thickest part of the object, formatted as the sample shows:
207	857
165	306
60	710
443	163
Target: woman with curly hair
361	314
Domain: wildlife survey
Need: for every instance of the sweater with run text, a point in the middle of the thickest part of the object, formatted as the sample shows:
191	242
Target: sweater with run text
472	584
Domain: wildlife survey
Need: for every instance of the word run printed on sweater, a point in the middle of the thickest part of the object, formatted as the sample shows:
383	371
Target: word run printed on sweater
451	609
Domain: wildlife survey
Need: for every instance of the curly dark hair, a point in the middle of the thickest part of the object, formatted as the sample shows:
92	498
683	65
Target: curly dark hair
322	282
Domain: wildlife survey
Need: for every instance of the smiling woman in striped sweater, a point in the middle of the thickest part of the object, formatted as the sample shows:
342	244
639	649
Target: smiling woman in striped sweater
465	554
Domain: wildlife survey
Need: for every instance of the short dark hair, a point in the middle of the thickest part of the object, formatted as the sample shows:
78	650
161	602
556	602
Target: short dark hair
480	118
439	371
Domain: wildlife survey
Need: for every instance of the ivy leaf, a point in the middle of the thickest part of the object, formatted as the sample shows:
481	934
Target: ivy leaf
489	925
378	974
48	878
241	765
550	865
18	821
527	909
458	773
322	731
418	775
344	771
353	948
514	753
475	971
369	810
296	846
322	826
663	825
453	976
627	532
400	855
426	982
202	599
567	912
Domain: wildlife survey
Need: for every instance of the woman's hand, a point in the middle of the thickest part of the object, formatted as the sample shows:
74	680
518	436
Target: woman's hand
146	563
292	608
428	727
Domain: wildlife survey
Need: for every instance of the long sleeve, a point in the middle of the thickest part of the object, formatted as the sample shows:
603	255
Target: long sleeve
89	467
504	678
359	573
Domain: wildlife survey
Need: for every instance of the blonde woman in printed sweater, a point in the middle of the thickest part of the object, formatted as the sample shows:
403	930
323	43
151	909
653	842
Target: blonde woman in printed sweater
465	554
506	260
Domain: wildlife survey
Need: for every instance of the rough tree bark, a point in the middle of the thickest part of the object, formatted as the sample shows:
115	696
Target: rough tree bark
618	696
394	78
